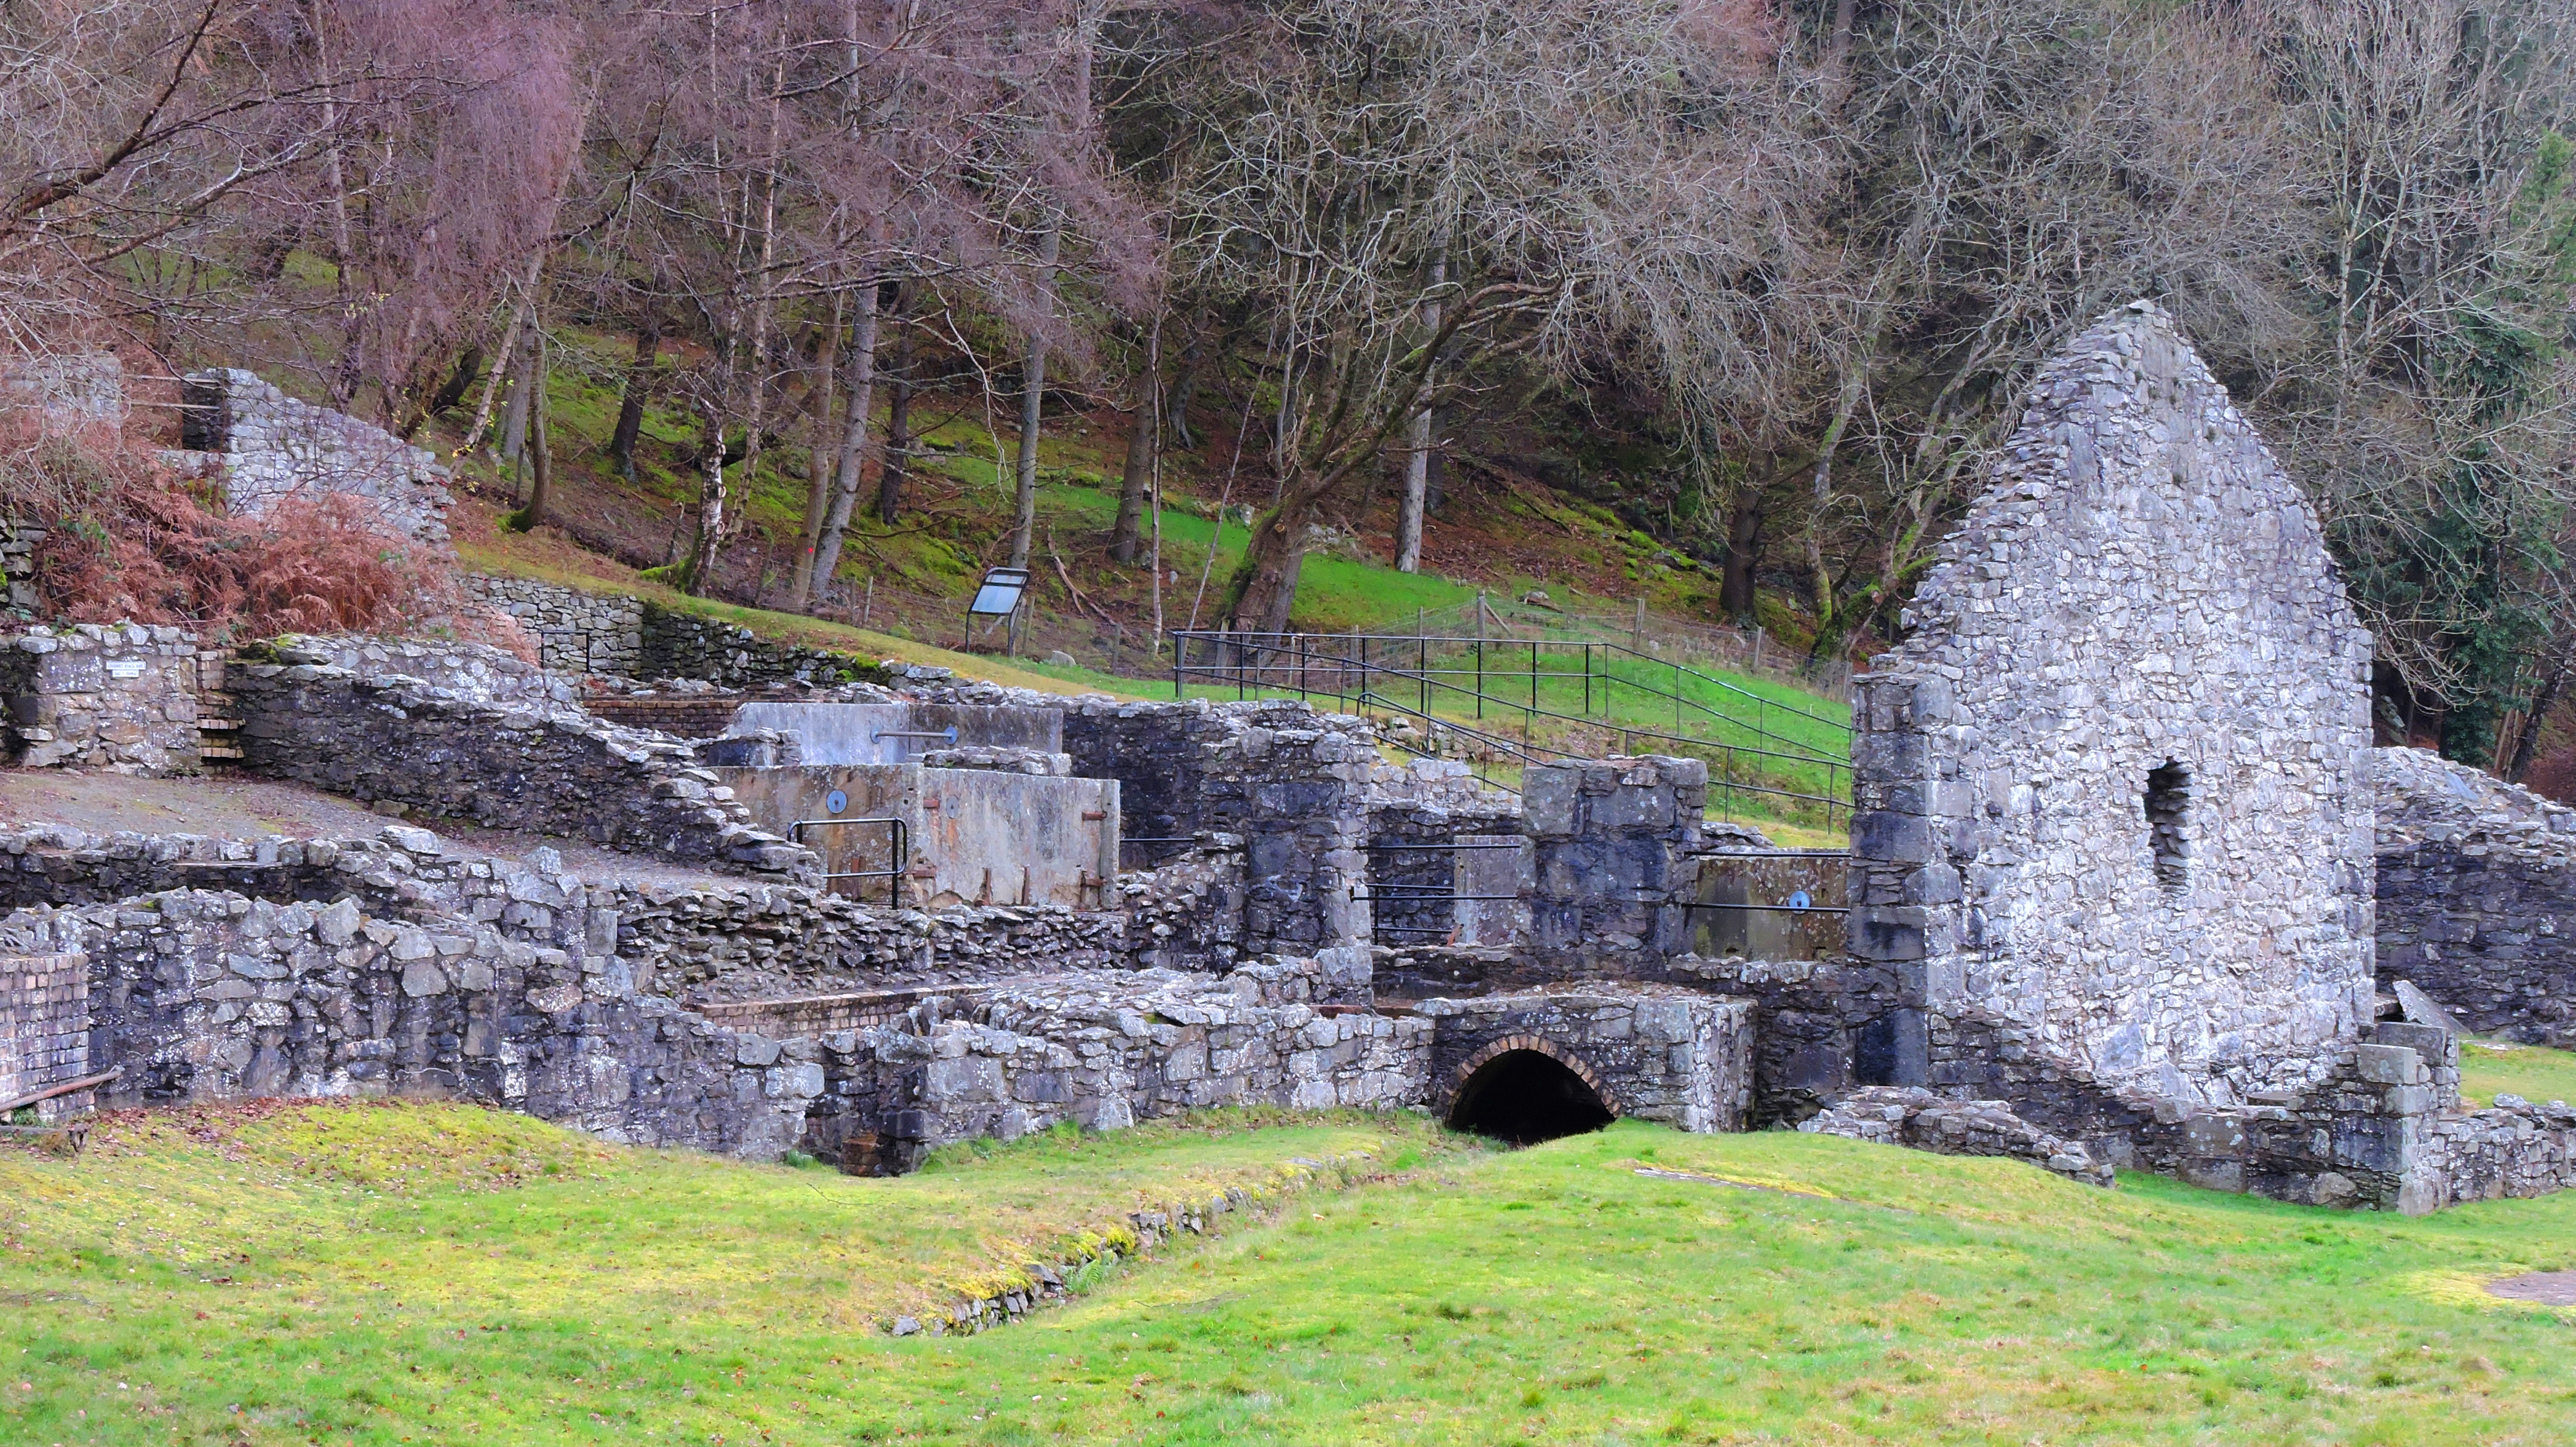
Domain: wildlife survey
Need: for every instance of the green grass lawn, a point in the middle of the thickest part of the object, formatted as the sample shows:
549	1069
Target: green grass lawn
439	1274
2534	1073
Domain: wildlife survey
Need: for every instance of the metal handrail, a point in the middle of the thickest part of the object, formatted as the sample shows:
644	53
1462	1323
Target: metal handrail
898	853
1302	647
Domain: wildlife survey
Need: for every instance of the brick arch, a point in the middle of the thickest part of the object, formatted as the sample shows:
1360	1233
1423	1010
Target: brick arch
1505	1045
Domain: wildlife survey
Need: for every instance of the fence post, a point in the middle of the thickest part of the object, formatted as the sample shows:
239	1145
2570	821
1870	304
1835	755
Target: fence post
1757	648
1637	640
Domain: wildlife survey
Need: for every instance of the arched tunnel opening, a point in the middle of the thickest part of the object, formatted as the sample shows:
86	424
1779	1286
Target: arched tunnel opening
1525	1096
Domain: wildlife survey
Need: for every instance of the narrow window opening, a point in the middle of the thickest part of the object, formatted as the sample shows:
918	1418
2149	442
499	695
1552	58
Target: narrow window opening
2168	805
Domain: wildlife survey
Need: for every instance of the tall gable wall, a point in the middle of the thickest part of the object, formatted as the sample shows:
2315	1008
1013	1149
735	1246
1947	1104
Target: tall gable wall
2138	619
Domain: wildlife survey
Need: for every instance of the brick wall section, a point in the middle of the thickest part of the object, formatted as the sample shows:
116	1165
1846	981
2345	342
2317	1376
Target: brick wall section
121	697
397	741
44	1022
682	716
576	632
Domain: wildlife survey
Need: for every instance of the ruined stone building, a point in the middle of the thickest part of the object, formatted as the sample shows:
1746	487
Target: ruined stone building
2127	884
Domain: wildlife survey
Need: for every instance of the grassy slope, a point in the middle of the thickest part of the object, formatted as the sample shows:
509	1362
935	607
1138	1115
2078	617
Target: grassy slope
1551	1295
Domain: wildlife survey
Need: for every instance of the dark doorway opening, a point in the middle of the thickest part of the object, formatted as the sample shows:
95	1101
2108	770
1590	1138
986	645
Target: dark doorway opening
1523	1097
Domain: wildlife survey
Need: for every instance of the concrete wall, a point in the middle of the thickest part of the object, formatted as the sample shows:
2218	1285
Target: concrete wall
975	835
856	733
2140	586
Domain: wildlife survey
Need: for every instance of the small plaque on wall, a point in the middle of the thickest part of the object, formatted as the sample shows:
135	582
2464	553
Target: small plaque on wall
125	668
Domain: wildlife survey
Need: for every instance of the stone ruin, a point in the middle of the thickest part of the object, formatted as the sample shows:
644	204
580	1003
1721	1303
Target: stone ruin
2127	886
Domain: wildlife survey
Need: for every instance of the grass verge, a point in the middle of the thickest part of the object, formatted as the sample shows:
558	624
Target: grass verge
385	1273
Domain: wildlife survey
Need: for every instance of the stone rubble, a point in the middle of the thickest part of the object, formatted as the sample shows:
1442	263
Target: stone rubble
1915	1117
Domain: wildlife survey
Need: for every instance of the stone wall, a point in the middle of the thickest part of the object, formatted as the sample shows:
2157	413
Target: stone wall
18	543
199	995
44	1022
121	698
1291	784
2111	790
685	645
472	672
399	741
274	447
1106	1050
1677	1056
2477	896
576	632
1911	1116
68	391
1414	869
1611	836
793	942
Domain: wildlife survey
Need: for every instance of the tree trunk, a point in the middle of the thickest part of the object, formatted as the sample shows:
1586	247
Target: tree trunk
1142	435
1417	456
711	510
823	555
541	458
630	407
1024	506
1265	592
898	443
1176	411
514	427
1735	589
2527	742
469	370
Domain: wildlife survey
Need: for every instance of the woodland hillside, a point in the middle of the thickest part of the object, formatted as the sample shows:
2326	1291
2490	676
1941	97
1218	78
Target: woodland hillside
1313	313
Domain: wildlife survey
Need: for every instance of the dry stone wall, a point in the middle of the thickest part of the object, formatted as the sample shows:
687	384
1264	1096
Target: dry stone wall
472	672
395	740
274	447
120	697
199	995
1106	1050
2476	896
2112	790
576	632
684	645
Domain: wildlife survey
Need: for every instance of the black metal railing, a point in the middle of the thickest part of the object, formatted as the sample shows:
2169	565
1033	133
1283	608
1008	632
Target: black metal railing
898	854
1771	751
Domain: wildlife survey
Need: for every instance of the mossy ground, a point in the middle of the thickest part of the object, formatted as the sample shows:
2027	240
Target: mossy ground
388	1273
